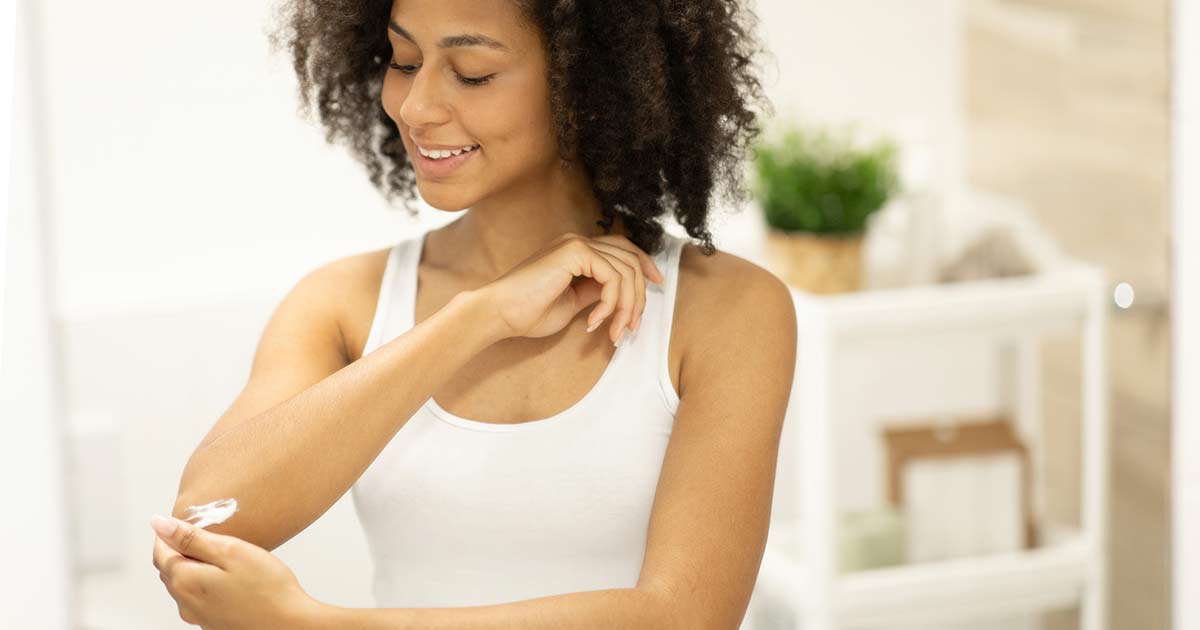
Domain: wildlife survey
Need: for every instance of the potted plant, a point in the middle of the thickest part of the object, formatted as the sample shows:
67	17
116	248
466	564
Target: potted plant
817	189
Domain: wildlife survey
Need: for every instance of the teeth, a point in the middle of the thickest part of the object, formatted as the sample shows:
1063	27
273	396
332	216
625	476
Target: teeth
441	154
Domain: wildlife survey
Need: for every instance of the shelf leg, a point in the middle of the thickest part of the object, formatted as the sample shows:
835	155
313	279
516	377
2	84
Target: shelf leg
819	512
1021	362
1095	474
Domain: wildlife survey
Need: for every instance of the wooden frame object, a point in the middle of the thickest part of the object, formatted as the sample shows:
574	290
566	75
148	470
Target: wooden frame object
988	437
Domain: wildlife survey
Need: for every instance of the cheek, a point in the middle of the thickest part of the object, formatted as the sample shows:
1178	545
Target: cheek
521	120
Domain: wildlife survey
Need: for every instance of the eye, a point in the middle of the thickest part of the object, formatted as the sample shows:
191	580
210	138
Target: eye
475	81
405	69
470	81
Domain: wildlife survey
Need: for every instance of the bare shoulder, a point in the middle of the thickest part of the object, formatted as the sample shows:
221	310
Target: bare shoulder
351	283
720	285
725	267
727	305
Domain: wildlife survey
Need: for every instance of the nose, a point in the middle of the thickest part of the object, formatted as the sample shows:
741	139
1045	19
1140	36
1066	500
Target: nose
424	104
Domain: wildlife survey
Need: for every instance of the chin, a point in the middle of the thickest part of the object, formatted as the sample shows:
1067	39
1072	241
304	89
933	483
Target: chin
446	197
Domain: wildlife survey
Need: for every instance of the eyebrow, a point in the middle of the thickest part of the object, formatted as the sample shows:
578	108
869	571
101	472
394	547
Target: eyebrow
452	41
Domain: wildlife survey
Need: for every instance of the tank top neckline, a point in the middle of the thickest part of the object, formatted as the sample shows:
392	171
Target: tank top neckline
505	427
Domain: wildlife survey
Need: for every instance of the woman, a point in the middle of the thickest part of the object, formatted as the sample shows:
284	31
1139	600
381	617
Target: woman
510	468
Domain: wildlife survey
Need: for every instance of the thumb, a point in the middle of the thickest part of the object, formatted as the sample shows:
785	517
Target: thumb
189	540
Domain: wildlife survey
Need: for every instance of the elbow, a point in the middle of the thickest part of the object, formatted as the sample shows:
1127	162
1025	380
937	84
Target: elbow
242	529
179	510
676	611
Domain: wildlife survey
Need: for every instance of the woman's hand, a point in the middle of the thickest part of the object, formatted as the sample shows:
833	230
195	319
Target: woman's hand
225	583
543	293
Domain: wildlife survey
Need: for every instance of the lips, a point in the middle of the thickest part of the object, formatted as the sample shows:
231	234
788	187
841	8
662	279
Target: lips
443	167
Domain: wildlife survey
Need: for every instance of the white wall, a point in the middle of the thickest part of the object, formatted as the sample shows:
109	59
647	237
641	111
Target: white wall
185	175
35	577
1185	442
890	67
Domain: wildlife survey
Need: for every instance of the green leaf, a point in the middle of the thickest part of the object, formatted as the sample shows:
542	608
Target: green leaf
815	181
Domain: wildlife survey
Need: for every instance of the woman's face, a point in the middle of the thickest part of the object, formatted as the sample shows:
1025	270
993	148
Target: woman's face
469	74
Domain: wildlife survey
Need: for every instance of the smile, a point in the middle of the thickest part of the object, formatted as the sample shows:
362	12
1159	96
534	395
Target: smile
443	162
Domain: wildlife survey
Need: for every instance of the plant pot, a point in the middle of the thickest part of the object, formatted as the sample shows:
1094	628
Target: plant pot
816	263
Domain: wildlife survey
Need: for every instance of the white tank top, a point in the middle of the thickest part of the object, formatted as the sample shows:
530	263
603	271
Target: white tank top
462	512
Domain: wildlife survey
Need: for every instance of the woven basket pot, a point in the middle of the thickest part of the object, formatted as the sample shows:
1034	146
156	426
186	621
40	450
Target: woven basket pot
817	263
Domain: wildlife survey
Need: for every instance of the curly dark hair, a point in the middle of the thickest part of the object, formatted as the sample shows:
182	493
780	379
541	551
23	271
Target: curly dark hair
656	98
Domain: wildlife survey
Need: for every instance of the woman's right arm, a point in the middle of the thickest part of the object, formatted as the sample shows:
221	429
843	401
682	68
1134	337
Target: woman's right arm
307	425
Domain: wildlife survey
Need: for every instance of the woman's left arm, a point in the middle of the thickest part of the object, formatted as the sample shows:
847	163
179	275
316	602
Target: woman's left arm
712	507
608	608
708	527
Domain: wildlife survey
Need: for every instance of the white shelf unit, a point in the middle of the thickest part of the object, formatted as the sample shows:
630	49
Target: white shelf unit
1068	568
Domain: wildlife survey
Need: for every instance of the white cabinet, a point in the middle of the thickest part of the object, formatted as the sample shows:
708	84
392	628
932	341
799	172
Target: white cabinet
1009	316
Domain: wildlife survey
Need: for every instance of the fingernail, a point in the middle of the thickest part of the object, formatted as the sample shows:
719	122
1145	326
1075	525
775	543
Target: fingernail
163	525
593	326
620	335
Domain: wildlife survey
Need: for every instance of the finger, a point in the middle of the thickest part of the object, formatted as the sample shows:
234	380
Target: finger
176	569
648	266
190	584
179	569
592	264
627	303
162	551
194	542
639	280
646	262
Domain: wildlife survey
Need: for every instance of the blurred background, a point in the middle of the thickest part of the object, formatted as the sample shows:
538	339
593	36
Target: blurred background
975	202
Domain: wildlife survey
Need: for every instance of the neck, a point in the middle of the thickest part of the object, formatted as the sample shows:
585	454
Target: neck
499	232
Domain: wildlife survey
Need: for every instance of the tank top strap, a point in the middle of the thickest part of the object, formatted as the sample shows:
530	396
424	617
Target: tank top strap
645	362
658	345
397	293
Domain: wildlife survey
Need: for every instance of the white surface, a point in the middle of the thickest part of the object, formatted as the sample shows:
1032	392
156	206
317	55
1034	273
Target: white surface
977	591
99	508
186	176
35	581
960	507
1186	313
8	53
